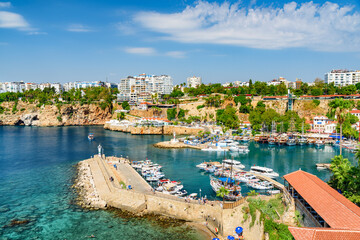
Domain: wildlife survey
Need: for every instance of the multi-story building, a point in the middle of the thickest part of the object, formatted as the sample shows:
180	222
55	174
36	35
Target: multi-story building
142	86
77	85
320	123
298	83
279	81
12	87
342	78
193	81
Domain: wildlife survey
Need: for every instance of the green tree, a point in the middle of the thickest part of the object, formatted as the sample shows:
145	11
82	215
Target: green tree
346	178
339	108
171	113
228	117
222	192
125	105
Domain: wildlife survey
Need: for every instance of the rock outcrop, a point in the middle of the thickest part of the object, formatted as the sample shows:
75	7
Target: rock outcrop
85	186
51	115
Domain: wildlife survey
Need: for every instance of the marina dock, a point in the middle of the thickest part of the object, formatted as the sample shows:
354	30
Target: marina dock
112	177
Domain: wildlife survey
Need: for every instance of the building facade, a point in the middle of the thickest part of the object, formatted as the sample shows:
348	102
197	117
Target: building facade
342	78
193	81
139	88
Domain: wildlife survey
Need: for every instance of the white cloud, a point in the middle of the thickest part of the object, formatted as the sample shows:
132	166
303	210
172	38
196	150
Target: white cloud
79	28
141	50
37	33
326	27
5	4
176	54
126	28
13	20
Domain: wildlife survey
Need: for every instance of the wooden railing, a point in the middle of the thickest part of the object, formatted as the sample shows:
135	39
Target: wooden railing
234	204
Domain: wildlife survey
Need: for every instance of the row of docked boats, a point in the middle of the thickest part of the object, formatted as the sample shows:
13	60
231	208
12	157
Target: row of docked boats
227	145
229	165
152	173
284	139
230	174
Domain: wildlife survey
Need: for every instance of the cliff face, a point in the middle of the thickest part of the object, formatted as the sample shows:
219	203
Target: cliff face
50	115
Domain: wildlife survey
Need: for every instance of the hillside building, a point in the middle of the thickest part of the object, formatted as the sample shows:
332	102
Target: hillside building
193	81
140	88
342	78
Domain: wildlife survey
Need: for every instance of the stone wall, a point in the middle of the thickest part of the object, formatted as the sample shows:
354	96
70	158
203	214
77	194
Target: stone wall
164	130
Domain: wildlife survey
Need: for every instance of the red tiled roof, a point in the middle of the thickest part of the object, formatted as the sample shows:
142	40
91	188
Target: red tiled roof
275	97
355	111
300	233
310	96
333	207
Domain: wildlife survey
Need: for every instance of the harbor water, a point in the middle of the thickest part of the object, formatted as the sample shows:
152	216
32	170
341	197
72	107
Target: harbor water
37	169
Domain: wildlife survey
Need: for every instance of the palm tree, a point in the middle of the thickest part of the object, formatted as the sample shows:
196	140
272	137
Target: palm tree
339	108
222	192
340	168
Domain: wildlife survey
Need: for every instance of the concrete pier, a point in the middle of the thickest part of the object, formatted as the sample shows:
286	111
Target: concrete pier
142	200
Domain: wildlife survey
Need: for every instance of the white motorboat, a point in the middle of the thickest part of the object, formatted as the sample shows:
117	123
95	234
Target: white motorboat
302	141
319	143
264	171
193	196
291	142
272	141
152	178
181	193
228	163
247	177
91	136
217	149
260	185
245	139
241	149
273	192
205	165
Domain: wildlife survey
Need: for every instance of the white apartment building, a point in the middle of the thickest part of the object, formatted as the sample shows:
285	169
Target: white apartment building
12	87
193	81
278	81
77	85
342	77
320	123
132	88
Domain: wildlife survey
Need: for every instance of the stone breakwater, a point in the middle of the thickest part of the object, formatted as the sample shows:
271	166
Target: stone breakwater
163	130
169	144
88	196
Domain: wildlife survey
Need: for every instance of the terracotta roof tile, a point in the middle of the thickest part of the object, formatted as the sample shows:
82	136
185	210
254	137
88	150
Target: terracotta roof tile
333	207
324	234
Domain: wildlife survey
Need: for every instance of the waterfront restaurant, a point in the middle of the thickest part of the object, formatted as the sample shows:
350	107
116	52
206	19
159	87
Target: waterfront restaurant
324	210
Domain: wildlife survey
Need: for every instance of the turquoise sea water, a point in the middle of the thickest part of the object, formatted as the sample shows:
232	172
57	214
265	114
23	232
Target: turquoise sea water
37	170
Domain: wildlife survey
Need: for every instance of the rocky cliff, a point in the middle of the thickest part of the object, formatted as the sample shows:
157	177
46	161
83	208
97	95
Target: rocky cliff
50	115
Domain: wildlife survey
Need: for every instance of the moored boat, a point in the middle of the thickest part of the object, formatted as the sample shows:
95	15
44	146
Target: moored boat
91	136
264	171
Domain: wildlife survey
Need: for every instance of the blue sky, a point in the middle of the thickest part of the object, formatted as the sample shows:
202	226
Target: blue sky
221	41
